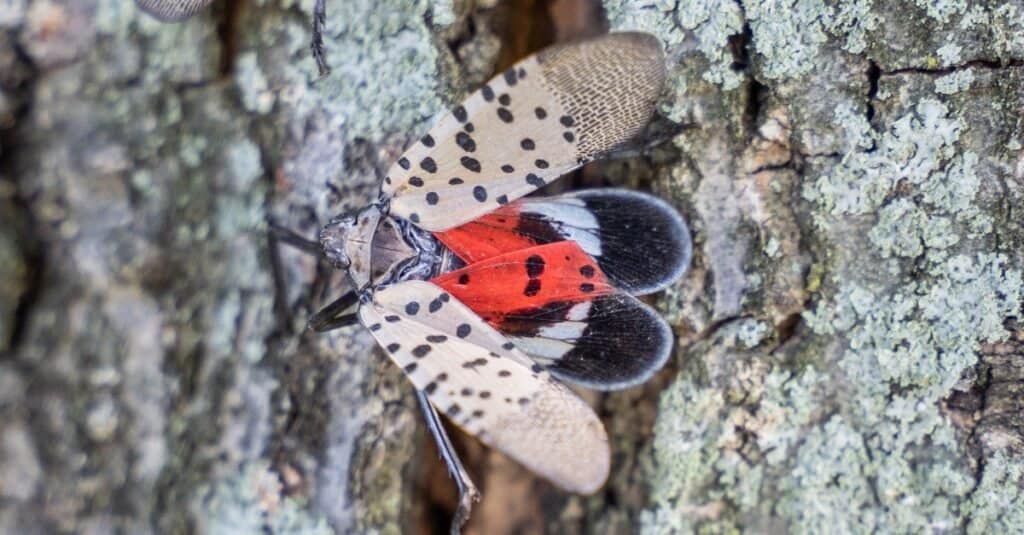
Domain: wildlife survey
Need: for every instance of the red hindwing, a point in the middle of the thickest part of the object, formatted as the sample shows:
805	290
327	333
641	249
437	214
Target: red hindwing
501	231
526	279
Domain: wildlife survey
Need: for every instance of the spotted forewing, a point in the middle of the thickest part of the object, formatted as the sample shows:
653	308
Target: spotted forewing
172	10
541	118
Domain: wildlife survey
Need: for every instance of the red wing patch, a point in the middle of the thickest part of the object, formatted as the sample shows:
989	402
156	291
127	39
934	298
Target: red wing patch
525	279
500	231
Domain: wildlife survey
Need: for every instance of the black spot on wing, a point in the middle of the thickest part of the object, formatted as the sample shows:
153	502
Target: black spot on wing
534	266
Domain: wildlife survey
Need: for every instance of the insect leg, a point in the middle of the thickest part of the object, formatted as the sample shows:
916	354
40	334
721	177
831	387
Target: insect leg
467	490
319	15
292	238
334	316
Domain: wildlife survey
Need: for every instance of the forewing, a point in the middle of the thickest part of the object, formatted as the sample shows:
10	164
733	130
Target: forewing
172	10
545	116
554	302
639	241
488	390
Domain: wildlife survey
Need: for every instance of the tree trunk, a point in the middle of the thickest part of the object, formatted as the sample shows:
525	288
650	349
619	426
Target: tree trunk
851	341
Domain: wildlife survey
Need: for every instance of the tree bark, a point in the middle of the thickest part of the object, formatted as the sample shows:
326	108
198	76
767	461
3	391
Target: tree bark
850	337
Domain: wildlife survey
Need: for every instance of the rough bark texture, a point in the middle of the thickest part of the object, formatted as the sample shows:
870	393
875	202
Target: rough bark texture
851	343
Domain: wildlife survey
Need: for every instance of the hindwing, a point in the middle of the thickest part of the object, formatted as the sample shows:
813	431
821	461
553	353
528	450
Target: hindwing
554	302
639	241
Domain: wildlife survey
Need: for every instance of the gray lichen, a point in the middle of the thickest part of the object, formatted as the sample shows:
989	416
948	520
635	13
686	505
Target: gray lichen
842	427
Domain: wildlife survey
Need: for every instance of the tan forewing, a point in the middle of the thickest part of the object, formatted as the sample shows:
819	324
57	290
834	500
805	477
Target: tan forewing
172	10
489	390
545	116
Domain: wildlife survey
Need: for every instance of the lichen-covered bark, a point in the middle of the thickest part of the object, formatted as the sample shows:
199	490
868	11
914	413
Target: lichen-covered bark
158	378
850	343
852	360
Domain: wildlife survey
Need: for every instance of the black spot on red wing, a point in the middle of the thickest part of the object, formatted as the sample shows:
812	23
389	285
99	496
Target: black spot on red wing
403	162
532	288
421	351
487	93
427	140
455	181
464	279
466	142
507	168
393	347
505	115
480	193
586	287
416	181
534	180
412	308
540	113
534	266
527	144
460	113
510	76
429	165
470	163
588	271
463	330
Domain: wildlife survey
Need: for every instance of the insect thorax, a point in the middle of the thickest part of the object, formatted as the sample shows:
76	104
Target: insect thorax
380	250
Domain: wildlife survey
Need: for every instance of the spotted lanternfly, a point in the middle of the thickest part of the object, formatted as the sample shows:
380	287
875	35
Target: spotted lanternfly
178	10
490	302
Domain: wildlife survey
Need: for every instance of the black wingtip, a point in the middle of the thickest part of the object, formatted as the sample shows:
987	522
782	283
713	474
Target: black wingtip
624	344
645	243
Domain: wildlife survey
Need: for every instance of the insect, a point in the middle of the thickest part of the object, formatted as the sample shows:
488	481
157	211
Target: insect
491	302
178	10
